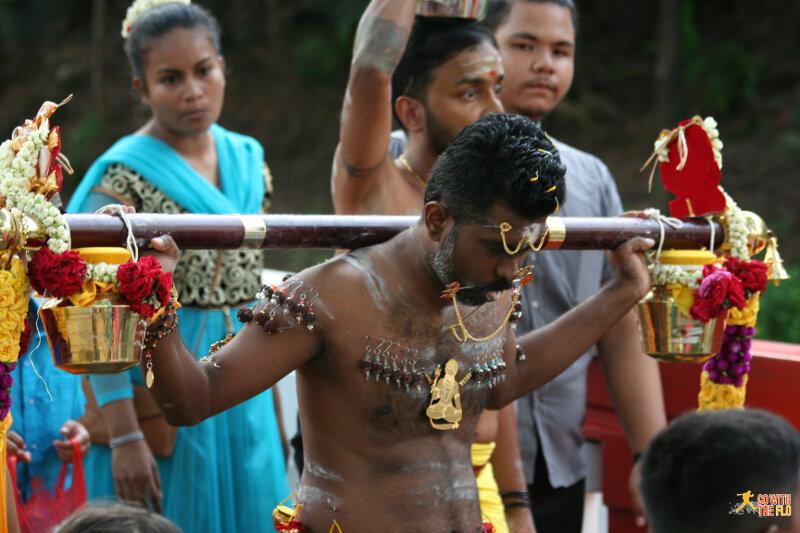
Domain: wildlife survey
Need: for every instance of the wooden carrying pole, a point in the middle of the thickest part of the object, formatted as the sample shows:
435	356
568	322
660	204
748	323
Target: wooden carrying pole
192	231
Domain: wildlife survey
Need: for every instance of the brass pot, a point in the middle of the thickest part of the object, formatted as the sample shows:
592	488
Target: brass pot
472	9
101	338
669	335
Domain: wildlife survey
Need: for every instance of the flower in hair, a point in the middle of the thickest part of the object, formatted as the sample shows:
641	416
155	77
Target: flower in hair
139	8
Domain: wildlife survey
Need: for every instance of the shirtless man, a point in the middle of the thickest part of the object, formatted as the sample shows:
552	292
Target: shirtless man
374	462
437	76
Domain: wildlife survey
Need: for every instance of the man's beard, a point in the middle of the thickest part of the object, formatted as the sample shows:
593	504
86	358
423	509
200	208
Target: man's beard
443	265
439	135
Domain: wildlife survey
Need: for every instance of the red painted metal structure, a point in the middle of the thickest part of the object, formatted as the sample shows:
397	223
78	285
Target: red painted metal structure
772	386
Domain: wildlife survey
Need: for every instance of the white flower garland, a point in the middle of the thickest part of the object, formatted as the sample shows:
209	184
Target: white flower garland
16	170
663	275
102	272
710	125
735	229
139	8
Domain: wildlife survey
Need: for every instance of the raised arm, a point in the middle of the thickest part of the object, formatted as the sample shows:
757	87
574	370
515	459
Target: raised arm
190	391
551	349
366	124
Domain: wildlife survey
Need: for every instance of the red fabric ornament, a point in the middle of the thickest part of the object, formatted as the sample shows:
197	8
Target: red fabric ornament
696	185
60	274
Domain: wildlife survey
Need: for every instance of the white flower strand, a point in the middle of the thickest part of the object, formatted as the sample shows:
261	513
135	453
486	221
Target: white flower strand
102	272
710	125
663	275
735	229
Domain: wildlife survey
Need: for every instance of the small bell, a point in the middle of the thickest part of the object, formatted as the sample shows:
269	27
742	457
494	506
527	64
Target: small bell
772	259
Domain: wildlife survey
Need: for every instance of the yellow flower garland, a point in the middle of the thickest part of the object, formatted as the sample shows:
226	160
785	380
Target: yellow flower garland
13	309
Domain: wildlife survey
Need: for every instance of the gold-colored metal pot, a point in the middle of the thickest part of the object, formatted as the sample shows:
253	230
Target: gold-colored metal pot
102	338
669	335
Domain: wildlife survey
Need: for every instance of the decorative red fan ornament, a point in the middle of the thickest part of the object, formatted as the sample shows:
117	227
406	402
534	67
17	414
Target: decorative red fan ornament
690	167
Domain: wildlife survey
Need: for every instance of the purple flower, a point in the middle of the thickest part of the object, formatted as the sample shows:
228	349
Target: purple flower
737	369
710	364
722	364
713	375
747	357
734	346
725	380
732	357
6	381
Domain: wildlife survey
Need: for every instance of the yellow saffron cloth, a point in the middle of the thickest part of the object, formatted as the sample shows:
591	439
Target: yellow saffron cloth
683	296
89	292
491	504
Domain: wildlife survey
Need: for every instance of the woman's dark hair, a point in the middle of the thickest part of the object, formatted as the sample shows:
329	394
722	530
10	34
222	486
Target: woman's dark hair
116	519
500	159
161	20
433	41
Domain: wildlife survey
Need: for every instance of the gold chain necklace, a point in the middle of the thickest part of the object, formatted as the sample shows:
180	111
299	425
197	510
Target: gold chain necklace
450	292
405	163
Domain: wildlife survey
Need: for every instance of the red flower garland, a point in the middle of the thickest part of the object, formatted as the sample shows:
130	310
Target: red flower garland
25	337
144	286
752	274
59	274
719	291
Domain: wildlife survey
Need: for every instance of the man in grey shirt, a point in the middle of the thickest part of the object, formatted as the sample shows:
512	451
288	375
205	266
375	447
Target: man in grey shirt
536	39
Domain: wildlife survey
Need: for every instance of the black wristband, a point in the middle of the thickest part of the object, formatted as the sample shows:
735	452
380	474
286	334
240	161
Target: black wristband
521	494
516	504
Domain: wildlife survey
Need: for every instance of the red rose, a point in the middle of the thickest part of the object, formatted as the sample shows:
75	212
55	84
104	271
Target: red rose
144	286
751	274
718	291
704	310
60	274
